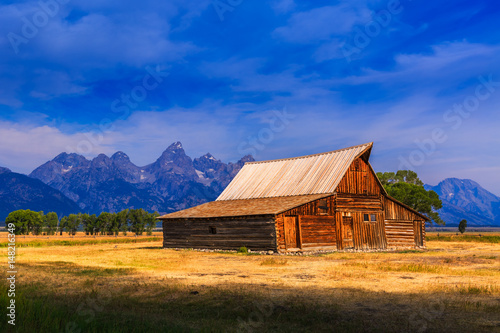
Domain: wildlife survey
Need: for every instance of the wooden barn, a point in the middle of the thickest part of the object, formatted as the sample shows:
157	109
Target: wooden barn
328	201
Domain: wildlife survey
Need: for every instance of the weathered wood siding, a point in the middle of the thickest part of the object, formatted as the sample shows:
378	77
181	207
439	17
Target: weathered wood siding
358	194
399	233
256	233
316	226
366	235
403	227
317	231
359	179
359	203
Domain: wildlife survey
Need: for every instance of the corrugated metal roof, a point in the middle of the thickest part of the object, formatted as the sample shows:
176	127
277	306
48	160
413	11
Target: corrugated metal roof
304	175
234	208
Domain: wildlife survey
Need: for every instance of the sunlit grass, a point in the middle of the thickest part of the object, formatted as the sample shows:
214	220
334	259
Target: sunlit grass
273	262
140	287
457	237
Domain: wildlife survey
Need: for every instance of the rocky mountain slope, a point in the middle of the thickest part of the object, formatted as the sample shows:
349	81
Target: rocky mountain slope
19	191
173	182
466	199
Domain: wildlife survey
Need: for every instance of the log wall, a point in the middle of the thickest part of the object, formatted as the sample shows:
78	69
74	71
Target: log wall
256	233
317	227
360	203
404	228
317	231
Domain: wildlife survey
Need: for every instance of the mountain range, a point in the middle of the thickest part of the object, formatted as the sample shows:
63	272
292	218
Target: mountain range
466	199
71	183
19	191
173	182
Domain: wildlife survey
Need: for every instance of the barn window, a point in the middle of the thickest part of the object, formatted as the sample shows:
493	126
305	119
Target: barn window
369	218
323	207
212	230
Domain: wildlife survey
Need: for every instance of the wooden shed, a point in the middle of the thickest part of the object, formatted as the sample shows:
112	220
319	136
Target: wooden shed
328	201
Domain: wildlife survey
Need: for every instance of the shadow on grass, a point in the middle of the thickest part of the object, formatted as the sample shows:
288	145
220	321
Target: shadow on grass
150	248
80	242
168	306
65	267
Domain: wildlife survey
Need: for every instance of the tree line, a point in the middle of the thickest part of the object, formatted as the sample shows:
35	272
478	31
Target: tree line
405	186
137	221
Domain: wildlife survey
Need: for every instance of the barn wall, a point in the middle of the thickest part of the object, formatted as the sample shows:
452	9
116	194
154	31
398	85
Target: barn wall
366	235
403	227
360	203
359	193
317	228
359	179
256	233
317	231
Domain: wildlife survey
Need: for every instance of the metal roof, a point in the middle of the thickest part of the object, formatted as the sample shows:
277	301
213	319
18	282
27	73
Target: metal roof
304	175
234	208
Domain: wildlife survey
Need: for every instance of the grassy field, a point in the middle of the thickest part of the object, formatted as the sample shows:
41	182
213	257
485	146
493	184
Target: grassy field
129	284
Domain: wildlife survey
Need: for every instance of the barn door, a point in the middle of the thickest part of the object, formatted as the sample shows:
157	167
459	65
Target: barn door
417	228
291	232
347	240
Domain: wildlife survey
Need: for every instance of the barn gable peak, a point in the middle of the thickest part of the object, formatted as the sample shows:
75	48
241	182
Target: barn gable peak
303	175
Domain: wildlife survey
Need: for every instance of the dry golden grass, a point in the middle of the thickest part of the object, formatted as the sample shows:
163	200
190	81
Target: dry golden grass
78	237
451	286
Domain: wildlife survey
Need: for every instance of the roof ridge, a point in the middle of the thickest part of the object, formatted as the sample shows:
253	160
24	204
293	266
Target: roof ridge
280	196
369	144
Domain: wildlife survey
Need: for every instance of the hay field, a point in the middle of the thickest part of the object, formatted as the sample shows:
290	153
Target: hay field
453	286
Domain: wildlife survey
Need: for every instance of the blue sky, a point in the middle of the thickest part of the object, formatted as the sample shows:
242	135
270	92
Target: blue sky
276	79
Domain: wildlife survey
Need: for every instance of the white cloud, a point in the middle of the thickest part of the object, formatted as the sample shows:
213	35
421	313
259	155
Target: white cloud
283	6
50	84
26	146
447	62
322	23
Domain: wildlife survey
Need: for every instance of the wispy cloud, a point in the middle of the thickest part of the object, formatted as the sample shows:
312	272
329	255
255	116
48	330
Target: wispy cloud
225	78
322	23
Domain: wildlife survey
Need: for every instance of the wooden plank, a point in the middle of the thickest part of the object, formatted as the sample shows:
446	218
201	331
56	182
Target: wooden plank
290	232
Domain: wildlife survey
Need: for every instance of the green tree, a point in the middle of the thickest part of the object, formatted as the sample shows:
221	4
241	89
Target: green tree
151	222
63	225
462	226
402	176
406	187
51	220
87	227
20	220
25	221
36	223
103	223
113	227
89	223
138	219
73	222
121	222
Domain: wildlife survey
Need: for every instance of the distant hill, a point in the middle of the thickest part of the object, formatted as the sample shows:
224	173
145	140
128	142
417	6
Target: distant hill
173	182
466	199
18	191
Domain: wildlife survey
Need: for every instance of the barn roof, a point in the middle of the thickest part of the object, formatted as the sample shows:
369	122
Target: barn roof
247	207
304	175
